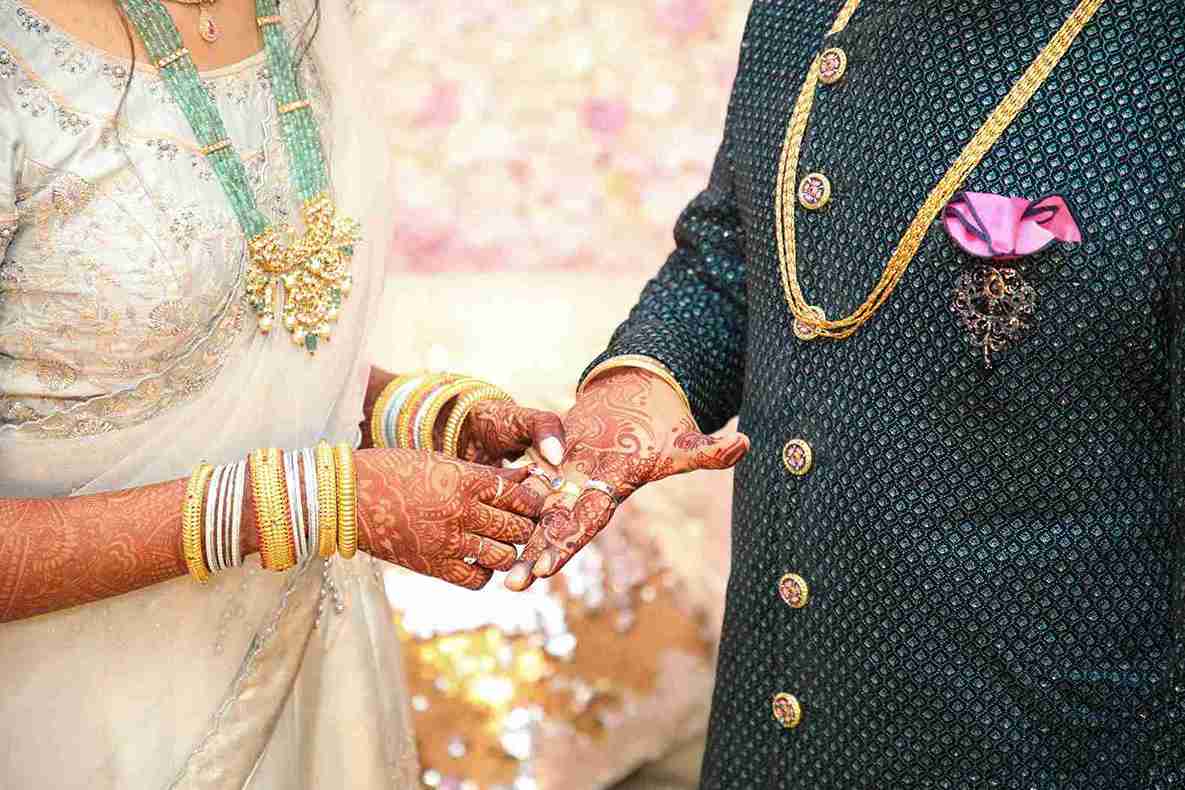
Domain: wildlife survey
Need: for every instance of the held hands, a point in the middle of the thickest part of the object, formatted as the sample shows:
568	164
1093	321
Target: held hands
442	517
453	519
628	428
457	520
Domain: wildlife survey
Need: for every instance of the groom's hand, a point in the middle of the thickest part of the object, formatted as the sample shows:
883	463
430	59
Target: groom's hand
628	428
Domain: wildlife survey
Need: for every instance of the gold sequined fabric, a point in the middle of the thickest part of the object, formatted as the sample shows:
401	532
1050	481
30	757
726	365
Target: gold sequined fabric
994	554
518	689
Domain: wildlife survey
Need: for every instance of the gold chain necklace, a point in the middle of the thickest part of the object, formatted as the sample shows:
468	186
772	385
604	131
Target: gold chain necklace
809	320
207	28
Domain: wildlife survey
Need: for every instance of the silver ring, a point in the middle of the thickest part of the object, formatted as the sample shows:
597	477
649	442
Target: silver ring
604	488
501	491
538	472
470	560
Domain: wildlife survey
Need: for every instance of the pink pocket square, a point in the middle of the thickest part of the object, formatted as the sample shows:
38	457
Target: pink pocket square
995	226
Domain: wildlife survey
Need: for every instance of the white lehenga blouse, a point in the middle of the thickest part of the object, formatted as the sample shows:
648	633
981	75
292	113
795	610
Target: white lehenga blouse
126	356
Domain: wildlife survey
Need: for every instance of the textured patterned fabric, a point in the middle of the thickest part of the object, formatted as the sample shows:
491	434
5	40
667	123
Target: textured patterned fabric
994	555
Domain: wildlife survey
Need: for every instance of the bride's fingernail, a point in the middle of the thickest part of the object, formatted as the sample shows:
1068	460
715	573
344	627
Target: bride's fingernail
552	450
517	577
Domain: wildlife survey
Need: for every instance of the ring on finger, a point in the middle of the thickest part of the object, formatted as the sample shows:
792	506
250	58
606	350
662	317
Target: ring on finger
501	491
604	488
537	471
569	489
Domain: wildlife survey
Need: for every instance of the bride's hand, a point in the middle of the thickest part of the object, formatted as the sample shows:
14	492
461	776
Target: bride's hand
498	431
431	513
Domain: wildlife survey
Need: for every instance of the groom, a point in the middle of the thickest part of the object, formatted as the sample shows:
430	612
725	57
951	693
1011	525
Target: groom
957	535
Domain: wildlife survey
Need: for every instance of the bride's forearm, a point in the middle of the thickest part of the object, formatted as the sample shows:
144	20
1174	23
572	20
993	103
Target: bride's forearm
58	553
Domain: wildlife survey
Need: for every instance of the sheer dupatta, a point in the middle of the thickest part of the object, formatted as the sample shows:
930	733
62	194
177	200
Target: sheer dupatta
272	680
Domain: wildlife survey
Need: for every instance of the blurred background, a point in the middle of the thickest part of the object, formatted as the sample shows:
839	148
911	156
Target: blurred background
544	151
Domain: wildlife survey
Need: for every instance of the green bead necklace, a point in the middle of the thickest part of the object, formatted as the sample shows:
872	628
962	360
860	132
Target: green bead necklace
308	273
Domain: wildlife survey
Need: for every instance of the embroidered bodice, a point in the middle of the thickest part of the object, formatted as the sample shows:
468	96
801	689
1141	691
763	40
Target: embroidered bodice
122	261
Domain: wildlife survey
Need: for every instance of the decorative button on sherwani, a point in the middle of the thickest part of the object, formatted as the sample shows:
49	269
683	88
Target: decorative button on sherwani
787	710
814	191
833	64
798	457
794	590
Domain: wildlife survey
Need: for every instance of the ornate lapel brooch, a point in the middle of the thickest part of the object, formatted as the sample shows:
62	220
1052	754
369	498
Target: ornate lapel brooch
991	299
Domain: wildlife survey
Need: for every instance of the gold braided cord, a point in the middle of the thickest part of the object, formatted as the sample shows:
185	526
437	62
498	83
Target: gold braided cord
378	413
845	13
192	521
326	498
276	549
987	135
347	500
451	442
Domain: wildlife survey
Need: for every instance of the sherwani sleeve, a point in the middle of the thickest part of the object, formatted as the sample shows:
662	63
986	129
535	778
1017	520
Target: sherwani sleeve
692	315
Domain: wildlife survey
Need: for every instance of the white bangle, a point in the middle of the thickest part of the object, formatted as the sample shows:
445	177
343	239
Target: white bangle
211	521
295	508
236	513
391	417
226	551
308	464
222	550
422	413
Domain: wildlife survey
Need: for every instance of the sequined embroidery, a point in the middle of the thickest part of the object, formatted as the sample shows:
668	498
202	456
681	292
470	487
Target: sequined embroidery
995	305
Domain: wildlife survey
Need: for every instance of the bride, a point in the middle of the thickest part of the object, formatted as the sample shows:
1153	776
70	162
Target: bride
142	143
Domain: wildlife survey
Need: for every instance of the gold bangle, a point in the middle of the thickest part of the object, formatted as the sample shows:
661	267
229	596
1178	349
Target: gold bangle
347	500
326	499
436	402
377	414
450	445
649	364
276	550
407	415
191	523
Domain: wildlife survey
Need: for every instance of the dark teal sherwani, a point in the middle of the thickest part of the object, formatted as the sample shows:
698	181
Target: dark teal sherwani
994	554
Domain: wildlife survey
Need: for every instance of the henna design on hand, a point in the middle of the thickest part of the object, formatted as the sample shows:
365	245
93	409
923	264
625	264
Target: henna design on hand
427	513
628	428
496	430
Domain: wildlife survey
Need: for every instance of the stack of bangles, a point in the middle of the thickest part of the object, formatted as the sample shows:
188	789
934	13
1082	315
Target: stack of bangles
306	504
409	409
